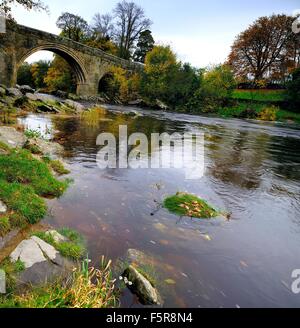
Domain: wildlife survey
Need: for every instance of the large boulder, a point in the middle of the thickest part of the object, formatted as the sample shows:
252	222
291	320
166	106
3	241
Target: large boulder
140	286
26	89
47	109
14	92
42	262
11	137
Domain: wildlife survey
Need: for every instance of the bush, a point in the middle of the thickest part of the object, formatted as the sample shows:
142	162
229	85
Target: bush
268	113
216	89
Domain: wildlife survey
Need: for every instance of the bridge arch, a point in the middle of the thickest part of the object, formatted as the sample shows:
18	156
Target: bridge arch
70	57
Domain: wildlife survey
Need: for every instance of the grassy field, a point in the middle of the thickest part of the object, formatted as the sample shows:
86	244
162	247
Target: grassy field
259	95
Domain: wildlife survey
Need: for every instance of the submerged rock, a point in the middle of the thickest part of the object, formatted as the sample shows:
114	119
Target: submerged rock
42	262
11	137
140	286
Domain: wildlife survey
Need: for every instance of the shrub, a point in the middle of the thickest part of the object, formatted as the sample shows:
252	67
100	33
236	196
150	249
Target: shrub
268	113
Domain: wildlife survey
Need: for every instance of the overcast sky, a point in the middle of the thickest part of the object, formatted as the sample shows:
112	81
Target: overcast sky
201	32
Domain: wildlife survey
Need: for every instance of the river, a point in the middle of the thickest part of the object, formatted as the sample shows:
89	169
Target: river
252	170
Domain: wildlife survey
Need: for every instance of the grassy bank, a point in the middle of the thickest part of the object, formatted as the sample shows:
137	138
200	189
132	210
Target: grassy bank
262	95
24	183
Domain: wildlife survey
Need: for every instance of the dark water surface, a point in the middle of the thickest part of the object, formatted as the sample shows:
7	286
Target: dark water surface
252	170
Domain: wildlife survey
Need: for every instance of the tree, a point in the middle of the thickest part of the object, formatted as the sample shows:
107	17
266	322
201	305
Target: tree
130	22
216	87
145	44
73	27
263	48
60	76
5	6
103	26
38	71
25	76
293	91
167	80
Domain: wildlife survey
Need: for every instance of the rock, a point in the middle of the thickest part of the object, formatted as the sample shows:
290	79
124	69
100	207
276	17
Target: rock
75	105
29	252
14	92
138	102
161	105
140	286
8	237
26	89
3	208
2	91
47	109
39	146
32	96
134	255
43	263
11	137
58	238
61	94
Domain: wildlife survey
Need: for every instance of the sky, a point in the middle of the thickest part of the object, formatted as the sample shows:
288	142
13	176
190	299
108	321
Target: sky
200	32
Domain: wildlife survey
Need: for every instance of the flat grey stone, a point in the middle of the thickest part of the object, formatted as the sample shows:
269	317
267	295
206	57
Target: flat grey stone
29	252
11	137
3	208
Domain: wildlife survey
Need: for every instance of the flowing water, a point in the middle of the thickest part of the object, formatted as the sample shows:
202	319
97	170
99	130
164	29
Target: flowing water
251	170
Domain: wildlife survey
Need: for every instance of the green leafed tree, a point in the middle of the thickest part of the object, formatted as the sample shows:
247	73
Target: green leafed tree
145	44
73	26
38	71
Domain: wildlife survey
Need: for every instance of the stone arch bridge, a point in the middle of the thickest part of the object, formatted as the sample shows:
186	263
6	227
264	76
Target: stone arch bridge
89	64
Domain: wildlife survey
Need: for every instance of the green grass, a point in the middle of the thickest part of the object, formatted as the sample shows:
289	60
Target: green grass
262	95
4	225
31	134
24	180
11	269
184	204
254	110
74	248
29	207
20	167
56	165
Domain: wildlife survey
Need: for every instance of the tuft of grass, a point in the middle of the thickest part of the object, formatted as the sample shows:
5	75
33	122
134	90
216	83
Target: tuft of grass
57	166
31	134
28	207
91	288
4	225
4	146
74	248
184	204
11	269
20	167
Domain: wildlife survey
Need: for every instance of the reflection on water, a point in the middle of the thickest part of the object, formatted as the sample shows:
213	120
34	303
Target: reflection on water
252	170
